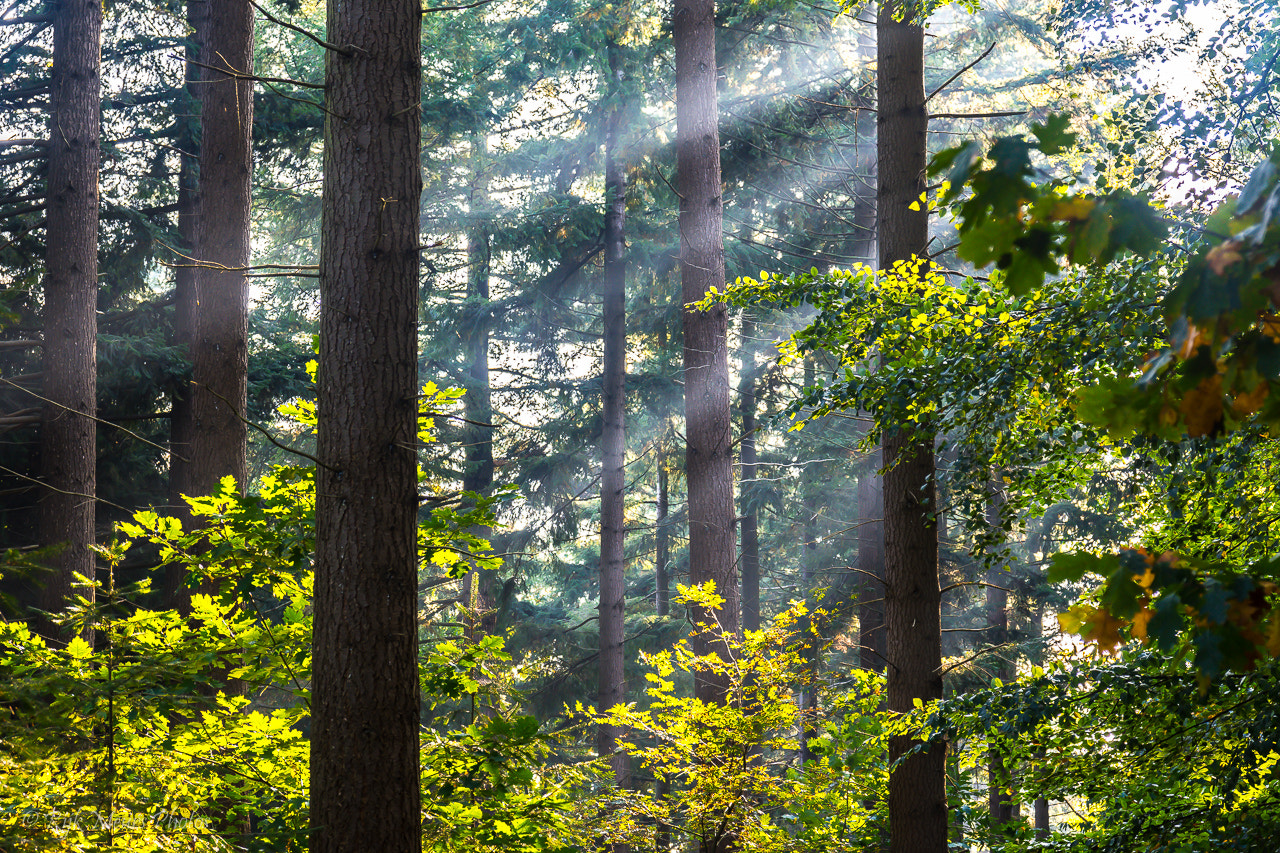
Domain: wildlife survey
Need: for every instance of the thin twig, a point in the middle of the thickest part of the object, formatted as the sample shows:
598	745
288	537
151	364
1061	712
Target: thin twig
45	485
271	438
240	75
93	418
1003	114
953	77
345	51
428	10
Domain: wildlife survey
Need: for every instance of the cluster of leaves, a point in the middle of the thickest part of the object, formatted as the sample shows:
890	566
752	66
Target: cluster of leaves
730	766
1226	618
1222	349
1214	371
1147	762
188	731
992	371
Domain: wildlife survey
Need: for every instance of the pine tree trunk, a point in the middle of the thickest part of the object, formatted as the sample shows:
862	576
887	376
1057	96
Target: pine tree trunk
747	501
182	419
917	787
68	446
364	741
219	347
807	696
662	532
614	438
481	587
871	629
708	425
1000	802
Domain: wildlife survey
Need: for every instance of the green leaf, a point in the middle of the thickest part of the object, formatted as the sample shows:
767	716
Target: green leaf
1054	136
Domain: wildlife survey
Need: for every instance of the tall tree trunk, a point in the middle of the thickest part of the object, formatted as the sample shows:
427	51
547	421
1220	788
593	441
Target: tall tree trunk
747	502
708	425
481	587
999	781
807	695
917	786
613	442
68	444
1040	808
662	552
364	740
662	548
219	348
182	419
871	628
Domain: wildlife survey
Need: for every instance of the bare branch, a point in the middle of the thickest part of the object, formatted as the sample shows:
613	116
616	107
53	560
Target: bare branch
271	438
93	418
345	51
429	9
240	75
953	77
1005	114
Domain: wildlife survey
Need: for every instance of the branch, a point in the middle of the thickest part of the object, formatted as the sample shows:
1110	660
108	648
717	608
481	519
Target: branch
953	77
196	263
240	75
345	51
27	19
430	9
38	224
1004	114
15	143
24	344
22	41
22	211
271	438
45	485
93	418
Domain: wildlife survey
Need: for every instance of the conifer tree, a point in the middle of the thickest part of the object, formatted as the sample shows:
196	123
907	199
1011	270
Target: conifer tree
68	434
613	442
708	426
364	740
214	445
917	795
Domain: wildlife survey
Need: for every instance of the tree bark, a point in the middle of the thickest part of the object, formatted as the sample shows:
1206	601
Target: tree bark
747	503
871	629
482	586
662	548
662	551
708	426
182	419
219	346
613	441
917	786
68	444
364	743
999	781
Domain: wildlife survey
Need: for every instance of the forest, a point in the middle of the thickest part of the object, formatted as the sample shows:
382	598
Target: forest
776	426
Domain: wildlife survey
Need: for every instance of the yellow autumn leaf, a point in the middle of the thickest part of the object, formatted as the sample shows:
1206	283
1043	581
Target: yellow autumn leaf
1273	635
1073	619
1145	579
1140	620
1270	325
1224	255
1104	629
1249	402
1072	209
1196	338
1202	407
